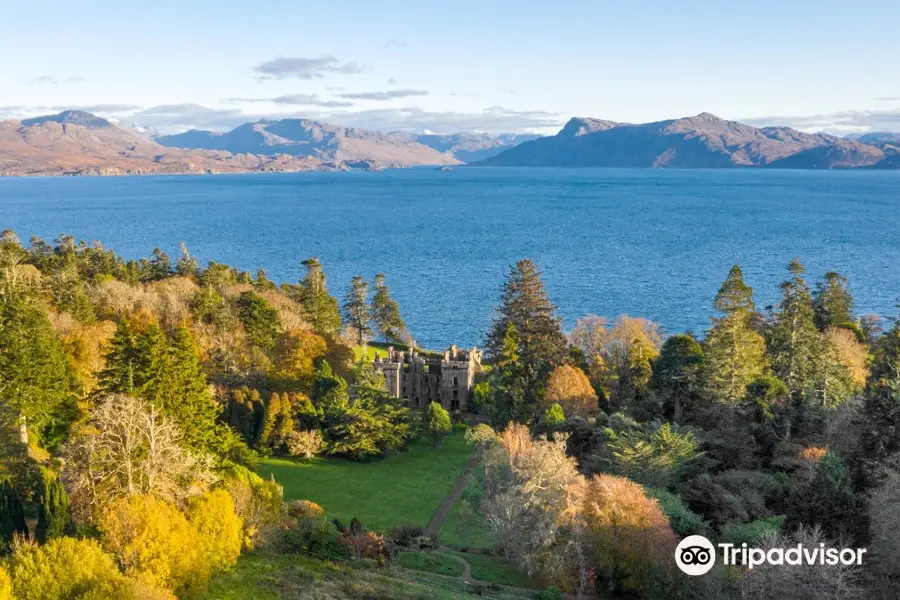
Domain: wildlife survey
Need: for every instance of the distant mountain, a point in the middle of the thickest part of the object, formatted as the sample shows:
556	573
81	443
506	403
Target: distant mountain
79	143
323	141
471	147
702	141
877	137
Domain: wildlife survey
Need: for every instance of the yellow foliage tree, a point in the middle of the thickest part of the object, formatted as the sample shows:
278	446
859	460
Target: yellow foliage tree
219	528
631	538
569	387
5	585
853	355
296	353
67	568
155	542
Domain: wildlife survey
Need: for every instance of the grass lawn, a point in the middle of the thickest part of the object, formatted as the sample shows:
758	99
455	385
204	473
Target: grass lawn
432	562
497	569
403	488
464	533
265	576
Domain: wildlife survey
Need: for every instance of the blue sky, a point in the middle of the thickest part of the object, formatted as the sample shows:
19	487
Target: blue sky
465	65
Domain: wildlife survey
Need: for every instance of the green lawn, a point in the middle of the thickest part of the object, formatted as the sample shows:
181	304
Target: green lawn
497	569
265	576
432	562
404	488
464	532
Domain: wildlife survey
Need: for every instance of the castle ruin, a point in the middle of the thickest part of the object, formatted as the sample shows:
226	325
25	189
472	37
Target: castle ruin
420	380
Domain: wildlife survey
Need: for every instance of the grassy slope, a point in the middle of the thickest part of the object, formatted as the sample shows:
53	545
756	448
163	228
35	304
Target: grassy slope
293	577
457	532
497	570
432	562
404	488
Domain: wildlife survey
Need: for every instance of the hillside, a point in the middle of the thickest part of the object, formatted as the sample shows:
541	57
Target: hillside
702	141
472	147
79	143
307	138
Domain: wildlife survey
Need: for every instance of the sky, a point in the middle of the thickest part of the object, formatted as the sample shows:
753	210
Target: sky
525	66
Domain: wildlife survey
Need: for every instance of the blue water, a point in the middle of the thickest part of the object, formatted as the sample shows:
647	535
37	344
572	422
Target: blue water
654	243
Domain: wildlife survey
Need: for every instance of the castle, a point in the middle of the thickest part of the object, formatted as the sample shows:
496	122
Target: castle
420	380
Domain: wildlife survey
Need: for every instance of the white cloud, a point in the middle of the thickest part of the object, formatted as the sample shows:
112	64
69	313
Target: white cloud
304	68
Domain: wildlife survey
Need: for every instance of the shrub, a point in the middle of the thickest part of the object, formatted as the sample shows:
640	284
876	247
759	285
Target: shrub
683	520
305	509
219	528
305	444
480	434
551	593
257	503
5	585
751	533
318	537
152	539
404	535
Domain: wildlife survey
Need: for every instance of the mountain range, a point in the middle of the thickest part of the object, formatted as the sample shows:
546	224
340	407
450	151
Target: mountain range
702	141
77	142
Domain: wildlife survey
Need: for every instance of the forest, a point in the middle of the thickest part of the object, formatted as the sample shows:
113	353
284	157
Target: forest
139	397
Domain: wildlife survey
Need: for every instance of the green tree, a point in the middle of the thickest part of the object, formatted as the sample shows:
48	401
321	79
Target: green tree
321	308
551	419
735	353
676	375
35	379
54	514
356	309
385	311
259	319
437	423
12	516
541	345
833	303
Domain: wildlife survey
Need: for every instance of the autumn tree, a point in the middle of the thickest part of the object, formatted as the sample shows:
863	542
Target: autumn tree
541	345
357	313
385	311
631	346
295	356
312	293
735	352
570	388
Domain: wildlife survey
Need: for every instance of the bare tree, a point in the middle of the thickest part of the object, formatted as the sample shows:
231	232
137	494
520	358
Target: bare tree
128	448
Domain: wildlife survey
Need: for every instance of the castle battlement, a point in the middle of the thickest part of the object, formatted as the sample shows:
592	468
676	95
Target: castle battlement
420	380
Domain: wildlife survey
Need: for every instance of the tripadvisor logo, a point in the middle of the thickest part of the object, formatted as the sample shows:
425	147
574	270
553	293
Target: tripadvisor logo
696	555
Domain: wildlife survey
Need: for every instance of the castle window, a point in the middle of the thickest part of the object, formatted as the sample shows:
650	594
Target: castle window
456	381
454	403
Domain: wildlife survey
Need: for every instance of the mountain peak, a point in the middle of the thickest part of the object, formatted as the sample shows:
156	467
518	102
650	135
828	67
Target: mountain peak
585	125
70	117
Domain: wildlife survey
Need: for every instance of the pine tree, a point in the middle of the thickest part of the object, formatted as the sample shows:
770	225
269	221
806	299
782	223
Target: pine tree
541	345
35	379
833	302
676	375
321	308
735	353
12	516
54	515
356	309
437	423
385	311
259	318
794	342
266	434
186	265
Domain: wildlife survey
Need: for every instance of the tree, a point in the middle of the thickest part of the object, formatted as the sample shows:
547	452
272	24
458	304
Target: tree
631	346
321	308
218	527
794	342
259	319
570	388
385	311
357	313
54	513
129	448
541	345
676	375
295	355
833	305
735	353
186	265
35	379
12	516
437	423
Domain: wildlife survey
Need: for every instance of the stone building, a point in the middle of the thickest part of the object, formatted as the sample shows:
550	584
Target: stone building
422	379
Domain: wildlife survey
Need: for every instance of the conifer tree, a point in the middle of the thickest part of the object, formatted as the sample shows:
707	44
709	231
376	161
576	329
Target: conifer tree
541	345
735	353
676	374
833	302
54	515
186	265
357	313
321	309
259	318
12	516
437	423
795	344
386	311
266	435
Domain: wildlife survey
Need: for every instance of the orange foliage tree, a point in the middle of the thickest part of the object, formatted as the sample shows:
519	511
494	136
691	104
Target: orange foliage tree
569	387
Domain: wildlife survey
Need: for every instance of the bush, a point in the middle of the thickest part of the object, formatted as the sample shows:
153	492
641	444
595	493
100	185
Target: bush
404	535
257	503
304	444
152	539
551	593
683	520
219	528
318	537
751	533
67	568
305	509
5	585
